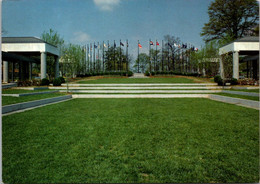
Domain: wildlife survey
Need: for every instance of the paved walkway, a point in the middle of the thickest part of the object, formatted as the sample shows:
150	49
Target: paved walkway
138	75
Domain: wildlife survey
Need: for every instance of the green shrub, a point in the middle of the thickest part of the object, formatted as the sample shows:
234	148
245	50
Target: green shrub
57	82
130	73
147	73
62	80
217	79
45	82
233	81
152	73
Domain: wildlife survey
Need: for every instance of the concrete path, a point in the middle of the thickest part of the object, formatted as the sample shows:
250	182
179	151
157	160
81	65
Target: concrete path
29	94
138	75
241	93
30	104
9	85
237	101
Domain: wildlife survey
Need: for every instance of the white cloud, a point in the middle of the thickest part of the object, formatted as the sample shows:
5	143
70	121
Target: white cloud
106	5
80	37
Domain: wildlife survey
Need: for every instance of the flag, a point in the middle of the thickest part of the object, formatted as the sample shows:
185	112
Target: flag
114	45
169	45
121	44
157	43
196	49
90	47
105	45
95	46
175	45
151	42
179	46
127	44
139	45
88	55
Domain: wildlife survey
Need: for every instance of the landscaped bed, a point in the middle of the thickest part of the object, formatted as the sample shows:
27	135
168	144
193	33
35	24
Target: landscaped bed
132	140
7	100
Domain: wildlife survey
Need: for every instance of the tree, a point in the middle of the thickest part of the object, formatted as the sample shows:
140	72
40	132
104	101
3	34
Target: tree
143	62
113	57
55	39
233	18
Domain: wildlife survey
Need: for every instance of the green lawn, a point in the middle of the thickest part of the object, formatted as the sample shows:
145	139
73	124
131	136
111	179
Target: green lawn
256	98
19	91
132	140
136	80
247	90
7	100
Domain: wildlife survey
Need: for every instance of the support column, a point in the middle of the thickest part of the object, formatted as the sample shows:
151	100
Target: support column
236	65
13	68
221	68
30	71
5	72
43	65
57	67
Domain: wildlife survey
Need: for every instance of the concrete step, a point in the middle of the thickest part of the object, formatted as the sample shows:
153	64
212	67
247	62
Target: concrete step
142	84
8	85
139	75
142	91
140	96
149	87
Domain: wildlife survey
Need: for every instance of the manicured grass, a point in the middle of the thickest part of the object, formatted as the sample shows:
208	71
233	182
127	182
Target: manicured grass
132	140
19	91
256	98
7	100
136	80
247	90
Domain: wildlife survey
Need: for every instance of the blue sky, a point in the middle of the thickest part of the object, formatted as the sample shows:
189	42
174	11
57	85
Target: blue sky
85	21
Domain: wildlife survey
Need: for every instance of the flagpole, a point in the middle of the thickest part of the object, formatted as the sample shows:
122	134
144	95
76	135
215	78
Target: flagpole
114	55
162	57
150	55
173	58
85	57
168	55
103	56
108	58
138	57
88	58
127	55
156	54
120	57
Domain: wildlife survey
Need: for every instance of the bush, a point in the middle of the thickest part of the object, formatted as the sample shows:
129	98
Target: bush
57	82
218	80
62	80
45	82
130	73
233	81
147	73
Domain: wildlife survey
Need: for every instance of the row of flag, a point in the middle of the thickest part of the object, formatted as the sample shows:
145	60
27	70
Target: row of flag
106	46
184	46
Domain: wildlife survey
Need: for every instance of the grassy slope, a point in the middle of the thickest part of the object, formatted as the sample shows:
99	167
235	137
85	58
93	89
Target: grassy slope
132	140
19	91
247	90
7	100
136	80
256	98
